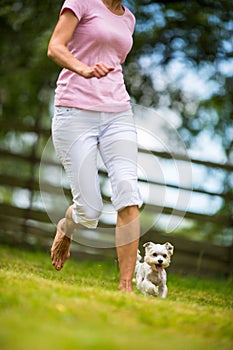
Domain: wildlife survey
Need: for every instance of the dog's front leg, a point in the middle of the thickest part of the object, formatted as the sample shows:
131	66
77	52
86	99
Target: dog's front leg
163	291
150	288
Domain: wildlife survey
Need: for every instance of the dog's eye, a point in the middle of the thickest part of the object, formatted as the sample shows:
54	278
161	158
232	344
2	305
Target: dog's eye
154	254
164	255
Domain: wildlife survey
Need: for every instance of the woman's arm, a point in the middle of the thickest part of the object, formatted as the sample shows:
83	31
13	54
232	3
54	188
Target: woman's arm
58	52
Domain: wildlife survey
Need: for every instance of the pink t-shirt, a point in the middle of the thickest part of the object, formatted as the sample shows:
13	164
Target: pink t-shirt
99	36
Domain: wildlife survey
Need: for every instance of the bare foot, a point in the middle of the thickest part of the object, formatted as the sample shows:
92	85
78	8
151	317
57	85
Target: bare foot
126	286
60	250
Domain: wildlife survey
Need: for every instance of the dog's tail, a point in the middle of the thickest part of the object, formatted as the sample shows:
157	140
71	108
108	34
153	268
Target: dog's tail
139	258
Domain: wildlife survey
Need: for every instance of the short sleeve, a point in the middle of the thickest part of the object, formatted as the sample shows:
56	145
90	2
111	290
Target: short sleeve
131	20
76	6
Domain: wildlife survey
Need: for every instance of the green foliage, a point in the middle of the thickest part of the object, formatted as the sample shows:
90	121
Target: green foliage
80	308
197	34
25	69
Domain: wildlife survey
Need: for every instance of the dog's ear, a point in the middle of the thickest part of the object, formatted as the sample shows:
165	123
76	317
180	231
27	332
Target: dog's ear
148	245
169	248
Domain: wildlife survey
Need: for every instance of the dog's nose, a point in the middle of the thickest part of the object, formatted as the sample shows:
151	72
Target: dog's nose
160	261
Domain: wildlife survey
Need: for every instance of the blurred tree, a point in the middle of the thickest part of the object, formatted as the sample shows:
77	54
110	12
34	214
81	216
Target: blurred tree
26	72
172	39
197	34
177	37
180	45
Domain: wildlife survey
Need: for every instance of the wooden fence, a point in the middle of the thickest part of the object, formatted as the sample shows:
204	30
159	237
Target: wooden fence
26	222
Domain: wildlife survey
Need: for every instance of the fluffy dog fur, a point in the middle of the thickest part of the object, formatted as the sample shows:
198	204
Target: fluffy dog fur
151	277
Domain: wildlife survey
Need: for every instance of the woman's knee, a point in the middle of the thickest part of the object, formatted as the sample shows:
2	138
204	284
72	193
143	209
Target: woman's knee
126	196
129	210
127	214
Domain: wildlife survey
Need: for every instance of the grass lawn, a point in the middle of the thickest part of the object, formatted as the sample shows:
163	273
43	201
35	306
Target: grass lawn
80	308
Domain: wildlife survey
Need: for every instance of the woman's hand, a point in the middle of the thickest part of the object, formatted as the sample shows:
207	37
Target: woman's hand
99	70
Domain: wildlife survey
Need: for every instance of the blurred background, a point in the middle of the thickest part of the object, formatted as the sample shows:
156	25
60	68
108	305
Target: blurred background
179	75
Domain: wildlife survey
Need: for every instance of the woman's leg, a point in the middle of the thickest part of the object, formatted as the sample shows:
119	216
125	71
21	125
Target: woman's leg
118	148
75	139
127	238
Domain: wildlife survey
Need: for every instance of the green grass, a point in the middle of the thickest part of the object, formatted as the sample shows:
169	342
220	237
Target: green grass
80	308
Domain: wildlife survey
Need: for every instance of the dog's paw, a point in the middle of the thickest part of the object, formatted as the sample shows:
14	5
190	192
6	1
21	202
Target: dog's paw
153	290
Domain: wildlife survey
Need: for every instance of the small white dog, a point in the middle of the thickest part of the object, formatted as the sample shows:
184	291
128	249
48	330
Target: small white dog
151	276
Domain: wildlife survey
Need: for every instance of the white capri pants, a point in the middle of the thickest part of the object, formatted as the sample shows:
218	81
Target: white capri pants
78	135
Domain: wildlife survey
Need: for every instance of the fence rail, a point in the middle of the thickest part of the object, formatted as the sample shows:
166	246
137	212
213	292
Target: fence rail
31	227
202	259
13	182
